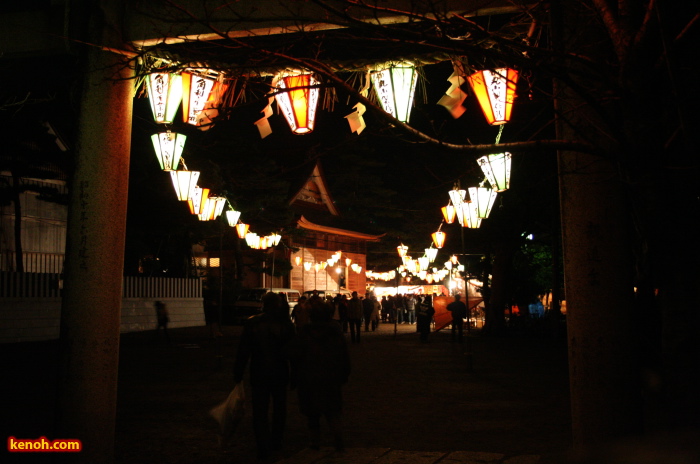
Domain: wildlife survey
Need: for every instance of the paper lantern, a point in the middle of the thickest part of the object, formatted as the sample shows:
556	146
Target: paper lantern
495	91
471	216
395	85
457	196
165	94
242	229
213	207
423	262
402	250
252	240
200	92
298	101
184	182
198	200
275	238
207	209
168	146
438	239
232	216
496	168
483	200
431	253
448	212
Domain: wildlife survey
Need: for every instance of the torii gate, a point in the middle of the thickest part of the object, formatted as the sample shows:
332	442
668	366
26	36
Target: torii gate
90	312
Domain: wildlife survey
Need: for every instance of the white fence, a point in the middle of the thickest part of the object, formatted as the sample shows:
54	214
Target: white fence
40	285
51	263
161	287
30	304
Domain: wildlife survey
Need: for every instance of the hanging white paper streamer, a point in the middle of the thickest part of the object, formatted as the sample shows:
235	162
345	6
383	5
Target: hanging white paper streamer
355	119
453	98
263	124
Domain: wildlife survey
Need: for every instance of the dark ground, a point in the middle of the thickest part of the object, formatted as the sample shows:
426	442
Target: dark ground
402	395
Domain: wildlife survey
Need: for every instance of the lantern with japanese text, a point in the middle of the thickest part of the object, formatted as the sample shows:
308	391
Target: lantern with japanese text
395	85
198	200
297	98
165	94
495	90
168	146
200	92
496	168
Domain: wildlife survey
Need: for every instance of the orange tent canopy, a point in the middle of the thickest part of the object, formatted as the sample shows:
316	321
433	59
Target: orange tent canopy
442	316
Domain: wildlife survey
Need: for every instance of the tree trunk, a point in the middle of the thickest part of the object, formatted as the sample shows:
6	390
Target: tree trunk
598	259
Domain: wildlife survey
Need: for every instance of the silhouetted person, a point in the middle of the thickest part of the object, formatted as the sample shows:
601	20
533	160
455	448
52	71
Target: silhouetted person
163	317
265	343
321	366
367	309
424	317
355	317
459	312
300	313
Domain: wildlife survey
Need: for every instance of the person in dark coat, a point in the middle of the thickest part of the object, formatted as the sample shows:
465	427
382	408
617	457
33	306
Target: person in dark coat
459	312
355	317
367	310
424	317
265	342
163	317
321	365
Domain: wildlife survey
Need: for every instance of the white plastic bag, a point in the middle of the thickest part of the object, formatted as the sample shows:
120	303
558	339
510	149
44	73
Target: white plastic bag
230	412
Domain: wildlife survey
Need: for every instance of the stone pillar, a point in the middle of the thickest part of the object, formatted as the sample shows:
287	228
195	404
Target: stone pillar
90	313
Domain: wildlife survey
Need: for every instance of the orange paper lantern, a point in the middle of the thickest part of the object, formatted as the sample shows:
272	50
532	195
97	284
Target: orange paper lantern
495	91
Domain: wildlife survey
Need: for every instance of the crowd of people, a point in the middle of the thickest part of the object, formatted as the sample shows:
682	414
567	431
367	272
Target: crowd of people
305	349
359	313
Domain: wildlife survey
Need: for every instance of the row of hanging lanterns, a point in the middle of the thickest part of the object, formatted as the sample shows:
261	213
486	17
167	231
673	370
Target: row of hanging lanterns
420	267
470	212
205	206
198	93
297	94
330	262
495	91
258	242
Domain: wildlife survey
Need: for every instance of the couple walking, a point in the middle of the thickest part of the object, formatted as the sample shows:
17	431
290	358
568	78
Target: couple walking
314	361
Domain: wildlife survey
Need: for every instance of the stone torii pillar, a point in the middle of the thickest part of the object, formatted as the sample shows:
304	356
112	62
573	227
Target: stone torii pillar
91	307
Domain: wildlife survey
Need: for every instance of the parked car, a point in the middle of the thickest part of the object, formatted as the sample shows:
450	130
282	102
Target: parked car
249	303
322	293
